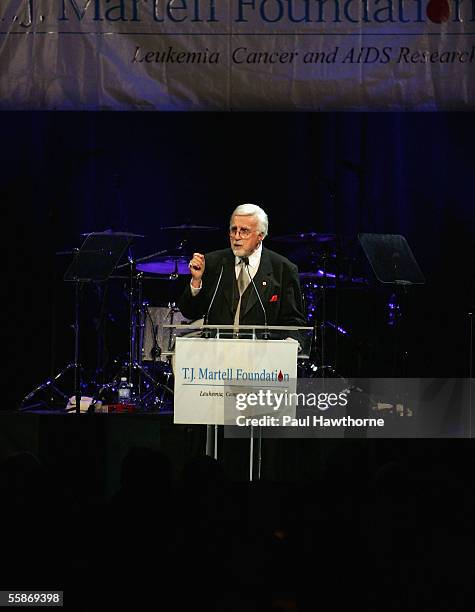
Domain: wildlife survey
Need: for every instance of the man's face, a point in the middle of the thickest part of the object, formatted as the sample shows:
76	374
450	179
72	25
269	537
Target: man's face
244	235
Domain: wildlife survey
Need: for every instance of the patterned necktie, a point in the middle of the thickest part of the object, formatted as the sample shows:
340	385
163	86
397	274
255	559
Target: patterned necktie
242	283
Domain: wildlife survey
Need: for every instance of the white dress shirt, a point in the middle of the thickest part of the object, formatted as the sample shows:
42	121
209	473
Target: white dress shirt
254	262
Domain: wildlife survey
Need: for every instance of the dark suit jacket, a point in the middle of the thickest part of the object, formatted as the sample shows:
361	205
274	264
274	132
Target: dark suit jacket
276	280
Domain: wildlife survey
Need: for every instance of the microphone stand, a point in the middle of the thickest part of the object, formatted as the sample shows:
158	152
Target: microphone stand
77	372
399	353
324	315
212	431
265	336
207	333
131	314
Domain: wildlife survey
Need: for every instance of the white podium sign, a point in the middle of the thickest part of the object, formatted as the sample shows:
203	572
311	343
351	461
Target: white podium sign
211	371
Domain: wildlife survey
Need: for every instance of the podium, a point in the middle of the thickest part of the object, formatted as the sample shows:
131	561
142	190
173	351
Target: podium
213	364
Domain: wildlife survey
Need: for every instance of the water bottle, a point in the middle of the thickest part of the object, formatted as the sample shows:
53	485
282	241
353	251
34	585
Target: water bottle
124	391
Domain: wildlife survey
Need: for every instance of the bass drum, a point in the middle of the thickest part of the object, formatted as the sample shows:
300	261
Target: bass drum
159	365
157	341
192	334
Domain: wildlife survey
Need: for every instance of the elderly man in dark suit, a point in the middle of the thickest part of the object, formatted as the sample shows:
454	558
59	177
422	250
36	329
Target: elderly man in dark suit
221	289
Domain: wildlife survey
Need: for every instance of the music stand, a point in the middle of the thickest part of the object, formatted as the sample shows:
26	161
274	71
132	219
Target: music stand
94	261
391	259
393	263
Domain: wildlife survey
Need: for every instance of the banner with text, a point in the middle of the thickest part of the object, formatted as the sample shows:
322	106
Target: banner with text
237	54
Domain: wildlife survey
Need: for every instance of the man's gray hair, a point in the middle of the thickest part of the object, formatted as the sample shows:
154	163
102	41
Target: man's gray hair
252	210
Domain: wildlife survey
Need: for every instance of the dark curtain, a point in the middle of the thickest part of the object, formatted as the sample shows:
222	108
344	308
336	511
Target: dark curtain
62	174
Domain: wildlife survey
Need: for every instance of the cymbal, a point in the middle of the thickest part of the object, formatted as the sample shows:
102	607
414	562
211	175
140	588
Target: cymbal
110	233
83	252
305	237
330	280
154	277
185	227
166	266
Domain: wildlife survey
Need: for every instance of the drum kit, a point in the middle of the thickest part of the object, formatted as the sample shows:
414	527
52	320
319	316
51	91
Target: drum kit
148	365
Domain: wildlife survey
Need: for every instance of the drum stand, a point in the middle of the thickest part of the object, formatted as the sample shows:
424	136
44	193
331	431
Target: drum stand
75	365
320	324
49	384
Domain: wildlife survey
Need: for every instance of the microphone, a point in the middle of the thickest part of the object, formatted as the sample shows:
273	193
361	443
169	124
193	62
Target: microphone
245	260
205	320
155	351
174	274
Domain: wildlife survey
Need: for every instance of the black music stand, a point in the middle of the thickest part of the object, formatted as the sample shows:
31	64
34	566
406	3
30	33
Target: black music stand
391	259
94	261
98	256
393	263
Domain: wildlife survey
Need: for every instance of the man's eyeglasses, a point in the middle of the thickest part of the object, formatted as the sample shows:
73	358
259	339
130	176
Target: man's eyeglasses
243	232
